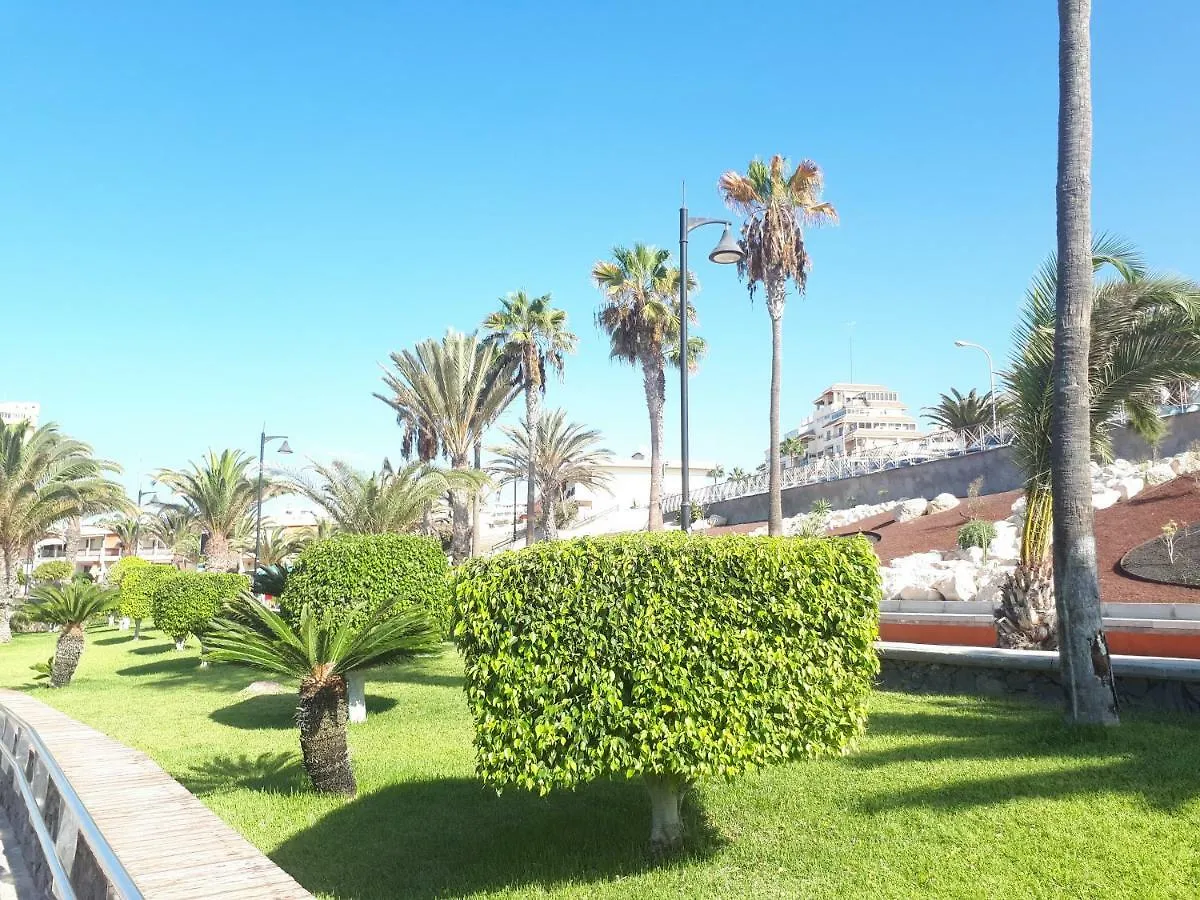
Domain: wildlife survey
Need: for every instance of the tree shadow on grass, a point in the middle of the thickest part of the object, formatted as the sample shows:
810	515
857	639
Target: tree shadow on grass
412	676
277	711
455	837
269	772
144	649
120	639
1149	756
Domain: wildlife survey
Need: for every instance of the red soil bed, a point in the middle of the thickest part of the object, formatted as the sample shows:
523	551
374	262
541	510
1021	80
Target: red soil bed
1118	529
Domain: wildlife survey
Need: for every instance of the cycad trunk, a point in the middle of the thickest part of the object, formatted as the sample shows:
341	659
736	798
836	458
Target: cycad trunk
654	379
8	592
219	555
1027	619
1085	665
322	715
666	805
533	414
67	652
776	295
460	535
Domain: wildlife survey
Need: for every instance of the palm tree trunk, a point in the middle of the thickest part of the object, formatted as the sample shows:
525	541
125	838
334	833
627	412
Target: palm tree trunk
74	541
655	381
776	295
533	413
221	557
67	652
8	593
550	511
475	529
322	715
460	535
1085	665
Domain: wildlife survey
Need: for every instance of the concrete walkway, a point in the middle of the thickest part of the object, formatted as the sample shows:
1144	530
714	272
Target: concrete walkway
15	883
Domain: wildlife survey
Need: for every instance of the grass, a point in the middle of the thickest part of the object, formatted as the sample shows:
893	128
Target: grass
944	797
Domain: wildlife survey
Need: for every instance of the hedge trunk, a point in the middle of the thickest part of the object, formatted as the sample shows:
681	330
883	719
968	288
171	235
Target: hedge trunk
322	714
666	803
67	651
137	628
776	295
356	692
654	380
1085	665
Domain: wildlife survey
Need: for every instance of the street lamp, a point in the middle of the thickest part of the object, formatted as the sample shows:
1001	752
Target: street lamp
991	375
137	522
726	252
263	439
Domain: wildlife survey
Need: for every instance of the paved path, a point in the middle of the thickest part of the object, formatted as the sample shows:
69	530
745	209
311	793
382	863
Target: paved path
15	883
171	844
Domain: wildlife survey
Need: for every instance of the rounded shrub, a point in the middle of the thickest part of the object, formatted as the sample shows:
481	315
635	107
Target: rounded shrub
186	603
349	576
665	656
53	570
976	533
118	570
138	584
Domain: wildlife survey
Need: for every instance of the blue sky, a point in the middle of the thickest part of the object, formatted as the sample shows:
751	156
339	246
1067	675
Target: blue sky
213	214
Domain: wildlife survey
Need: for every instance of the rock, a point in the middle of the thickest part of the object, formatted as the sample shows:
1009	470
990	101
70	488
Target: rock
917	560
958	583
759	532
1159	473
1018	507
989	587
256	688
1006	544
911	509
1105	498
717	521
972	555
920	589
1130	487
702	525
943	502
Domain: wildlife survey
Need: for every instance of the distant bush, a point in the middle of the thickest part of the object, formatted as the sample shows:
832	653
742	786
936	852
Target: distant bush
976	533
665	656
187	602
138	584
349	576
53	570
123	566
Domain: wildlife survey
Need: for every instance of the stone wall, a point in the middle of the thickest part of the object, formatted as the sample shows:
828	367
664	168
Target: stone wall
952	475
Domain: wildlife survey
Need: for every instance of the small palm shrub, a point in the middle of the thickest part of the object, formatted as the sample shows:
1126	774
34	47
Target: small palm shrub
69	606
53	570
349	576
270	580
136	593
665	657
320	655
976	533
186	603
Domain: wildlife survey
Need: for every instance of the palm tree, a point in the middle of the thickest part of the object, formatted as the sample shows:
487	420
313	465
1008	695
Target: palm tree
963	412
381	501
321	656
177	531
776	205
45	478
567	456
1145	333
279	545
456	387
738	475
219	495
717	473
641	318
532	336
791	447
128	530
69	606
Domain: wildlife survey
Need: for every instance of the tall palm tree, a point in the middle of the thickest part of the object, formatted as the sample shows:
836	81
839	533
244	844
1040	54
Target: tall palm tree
128	530
383	501
567	455
962	412
219	494
320	656
1145	333
69	606
717	473
45	479
640	315
791	447
776	205
278	545
737	475
176	529
456	387
533	336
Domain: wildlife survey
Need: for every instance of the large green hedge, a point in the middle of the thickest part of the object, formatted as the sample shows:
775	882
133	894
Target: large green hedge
122	567
352	575
665	656
185	604
53	570
138	584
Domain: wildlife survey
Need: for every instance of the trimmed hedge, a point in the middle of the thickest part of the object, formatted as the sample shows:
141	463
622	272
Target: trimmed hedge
123	566
185	604
53	570
349	576
665	655
138	584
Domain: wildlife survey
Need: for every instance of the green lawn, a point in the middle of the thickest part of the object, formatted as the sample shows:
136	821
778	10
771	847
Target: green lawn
944	797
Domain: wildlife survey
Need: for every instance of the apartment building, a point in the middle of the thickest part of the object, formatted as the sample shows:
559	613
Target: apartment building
13	411
850	419
99	549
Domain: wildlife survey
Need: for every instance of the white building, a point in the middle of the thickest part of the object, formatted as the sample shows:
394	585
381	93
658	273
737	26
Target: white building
14	411
850	419
629	483
99	549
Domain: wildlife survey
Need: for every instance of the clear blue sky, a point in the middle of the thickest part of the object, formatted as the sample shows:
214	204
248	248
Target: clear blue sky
216	213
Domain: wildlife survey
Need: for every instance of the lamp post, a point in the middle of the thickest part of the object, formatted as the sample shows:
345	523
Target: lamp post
137	522
725	253
263	439
514	509
991	375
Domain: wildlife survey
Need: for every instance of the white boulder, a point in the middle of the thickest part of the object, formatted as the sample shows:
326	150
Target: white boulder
1130	487
717	521
912	509
1006	544
1104	498
957	583
1159	473
1018	507
943	502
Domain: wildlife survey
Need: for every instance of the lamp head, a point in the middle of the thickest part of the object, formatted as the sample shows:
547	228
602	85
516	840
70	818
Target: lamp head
960	343
285	447
727	250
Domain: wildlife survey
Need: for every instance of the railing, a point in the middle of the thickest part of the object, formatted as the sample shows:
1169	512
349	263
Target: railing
836	468
67	855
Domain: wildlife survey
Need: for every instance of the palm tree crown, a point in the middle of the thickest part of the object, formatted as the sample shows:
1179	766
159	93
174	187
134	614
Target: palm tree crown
963	412
532	335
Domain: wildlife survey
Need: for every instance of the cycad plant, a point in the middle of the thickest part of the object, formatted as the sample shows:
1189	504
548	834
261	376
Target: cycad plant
320	657
1145	334
776	204
69	606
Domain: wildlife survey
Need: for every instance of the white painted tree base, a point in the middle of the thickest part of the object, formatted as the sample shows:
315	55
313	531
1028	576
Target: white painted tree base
356	697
